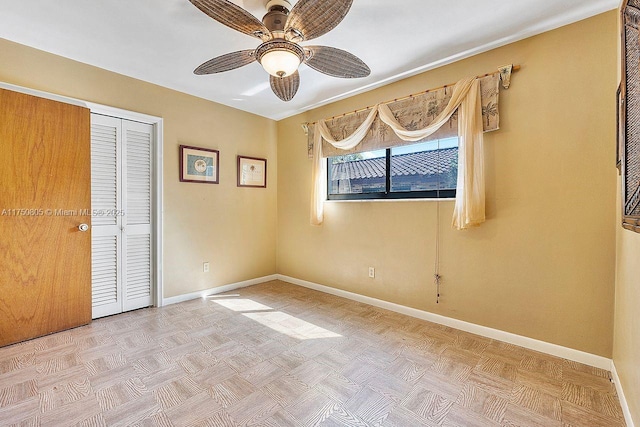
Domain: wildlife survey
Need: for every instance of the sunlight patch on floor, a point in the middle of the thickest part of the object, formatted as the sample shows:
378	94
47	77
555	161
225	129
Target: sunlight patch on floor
276	320
291	326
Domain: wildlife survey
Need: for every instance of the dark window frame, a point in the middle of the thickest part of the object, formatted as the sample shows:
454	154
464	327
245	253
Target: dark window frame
388	194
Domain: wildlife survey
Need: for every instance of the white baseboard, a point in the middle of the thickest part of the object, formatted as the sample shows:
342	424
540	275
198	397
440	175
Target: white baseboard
217	290
530	343
623	400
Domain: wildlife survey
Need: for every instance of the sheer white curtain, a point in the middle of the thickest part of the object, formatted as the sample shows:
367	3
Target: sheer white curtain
469	208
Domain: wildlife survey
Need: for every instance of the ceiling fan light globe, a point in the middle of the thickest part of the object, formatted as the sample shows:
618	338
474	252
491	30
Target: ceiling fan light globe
280	63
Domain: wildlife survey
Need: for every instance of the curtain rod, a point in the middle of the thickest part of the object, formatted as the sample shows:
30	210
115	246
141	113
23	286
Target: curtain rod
515	68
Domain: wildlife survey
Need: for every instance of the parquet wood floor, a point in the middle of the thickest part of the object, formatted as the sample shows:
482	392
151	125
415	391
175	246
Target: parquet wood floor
279	355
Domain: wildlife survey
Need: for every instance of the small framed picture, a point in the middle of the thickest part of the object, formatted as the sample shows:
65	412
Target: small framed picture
252	172
199	165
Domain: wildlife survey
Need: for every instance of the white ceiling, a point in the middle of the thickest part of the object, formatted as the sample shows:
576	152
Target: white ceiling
162	41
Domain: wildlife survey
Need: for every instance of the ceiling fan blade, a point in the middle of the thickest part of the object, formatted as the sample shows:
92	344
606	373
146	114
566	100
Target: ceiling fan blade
233	16
286	87
336	62
313	18
229	61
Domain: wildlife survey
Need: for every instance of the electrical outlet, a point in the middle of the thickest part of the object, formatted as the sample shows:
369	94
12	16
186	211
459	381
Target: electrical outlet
205	267
372	272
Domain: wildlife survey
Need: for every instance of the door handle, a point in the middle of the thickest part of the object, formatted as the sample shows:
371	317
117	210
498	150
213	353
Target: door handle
83	227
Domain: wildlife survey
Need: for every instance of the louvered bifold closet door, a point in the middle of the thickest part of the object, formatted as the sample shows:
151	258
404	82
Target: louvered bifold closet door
106	242
137	202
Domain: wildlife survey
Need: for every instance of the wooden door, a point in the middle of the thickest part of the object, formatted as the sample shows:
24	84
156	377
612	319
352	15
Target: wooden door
45	184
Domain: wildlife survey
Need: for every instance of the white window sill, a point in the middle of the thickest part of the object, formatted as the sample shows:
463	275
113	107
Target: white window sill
392	200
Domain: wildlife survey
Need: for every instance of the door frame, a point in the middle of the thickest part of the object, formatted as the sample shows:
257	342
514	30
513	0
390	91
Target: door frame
157	179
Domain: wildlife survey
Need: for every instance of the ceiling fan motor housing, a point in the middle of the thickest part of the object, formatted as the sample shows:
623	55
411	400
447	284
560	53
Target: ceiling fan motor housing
276	17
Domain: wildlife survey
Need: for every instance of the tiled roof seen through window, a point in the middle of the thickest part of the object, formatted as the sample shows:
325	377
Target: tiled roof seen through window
423	163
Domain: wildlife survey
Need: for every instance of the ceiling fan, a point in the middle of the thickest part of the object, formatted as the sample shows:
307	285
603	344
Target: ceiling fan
281	31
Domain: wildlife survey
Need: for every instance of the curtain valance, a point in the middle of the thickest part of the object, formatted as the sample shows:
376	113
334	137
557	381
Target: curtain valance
416	112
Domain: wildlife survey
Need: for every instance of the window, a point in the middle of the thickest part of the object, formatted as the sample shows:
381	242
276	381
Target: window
424	170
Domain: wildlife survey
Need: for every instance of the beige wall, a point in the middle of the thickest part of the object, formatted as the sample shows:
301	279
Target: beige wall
232	228
543	264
